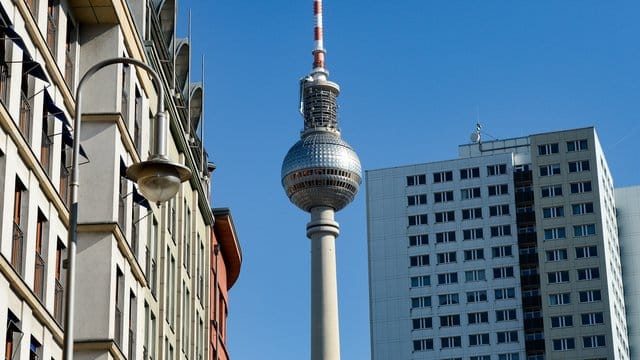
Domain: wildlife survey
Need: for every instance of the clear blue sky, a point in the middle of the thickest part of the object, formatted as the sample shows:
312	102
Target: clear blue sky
415	75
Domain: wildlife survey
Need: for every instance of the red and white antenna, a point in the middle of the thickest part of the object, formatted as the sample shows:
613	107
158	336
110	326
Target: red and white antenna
318	51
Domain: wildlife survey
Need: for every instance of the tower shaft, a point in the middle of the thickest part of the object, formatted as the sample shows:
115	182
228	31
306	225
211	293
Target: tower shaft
325	334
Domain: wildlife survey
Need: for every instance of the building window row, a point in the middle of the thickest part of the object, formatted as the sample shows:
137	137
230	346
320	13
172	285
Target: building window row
564	344
571	146
556	169
582	252
556	277
447	175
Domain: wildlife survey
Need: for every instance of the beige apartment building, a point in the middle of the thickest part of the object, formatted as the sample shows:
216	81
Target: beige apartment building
142	269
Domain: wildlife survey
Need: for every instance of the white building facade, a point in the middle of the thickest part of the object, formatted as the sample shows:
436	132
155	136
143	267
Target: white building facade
484	257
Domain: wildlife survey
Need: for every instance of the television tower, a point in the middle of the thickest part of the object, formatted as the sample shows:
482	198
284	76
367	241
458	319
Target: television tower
321	174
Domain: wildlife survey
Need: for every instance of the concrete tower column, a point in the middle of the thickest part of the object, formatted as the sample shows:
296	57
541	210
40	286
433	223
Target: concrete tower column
325	334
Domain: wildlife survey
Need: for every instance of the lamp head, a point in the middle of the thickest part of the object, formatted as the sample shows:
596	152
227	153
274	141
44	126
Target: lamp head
158	179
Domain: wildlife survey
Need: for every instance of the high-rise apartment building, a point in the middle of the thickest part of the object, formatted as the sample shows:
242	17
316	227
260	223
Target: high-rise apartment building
628	214
508	252
142	269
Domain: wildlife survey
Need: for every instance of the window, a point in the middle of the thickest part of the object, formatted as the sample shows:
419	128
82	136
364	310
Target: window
592	318
586	251
507	336
551	191
442	196
445	237
476	296
590	296
505	293
420	302
421	323
447	278
420	281
589	273
448	299
555	233
556	277
19	218
577	145
445	216
59	289
422	344
582	208
35	349
40	264
478	339
474	213
506	315
561	321
416	180
580	187
550	170
413	200
548	149
446	257
474	254
564	344
500	230
119	307
499	210
502	189
579	166
132	326
593	341
137	121
420	219
450	342
46	144
470	193
470	173
26	104
501	251
503	272
584	230
417	240
499	169
474	275
442	176
449	320
69	55
53	9
553	212
472	234
419	260
480	357
511	356
557	255
478	317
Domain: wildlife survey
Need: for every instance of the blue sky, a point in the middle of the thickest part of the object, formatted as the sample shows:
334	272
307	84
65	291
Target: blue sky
415	77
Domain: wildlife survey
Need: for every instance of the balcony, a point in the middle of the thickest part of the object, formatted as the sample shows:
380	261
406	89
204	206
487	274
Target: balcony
38	278
527	238
534	346
522	176
526	217
57	302
534	324
524	196
530	280
17	248
528	259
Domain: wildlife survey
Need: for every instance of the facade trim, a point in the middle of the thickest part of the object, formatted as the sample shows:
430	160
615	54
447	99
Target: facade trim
125	136
114	229
100	345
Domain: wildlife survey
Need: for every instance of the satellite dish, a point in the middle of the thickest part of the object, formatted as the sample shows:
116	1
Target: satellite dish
475	137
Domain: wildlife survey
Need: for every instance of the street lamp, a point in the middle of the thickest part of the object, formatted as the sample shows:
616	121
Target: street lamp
158	178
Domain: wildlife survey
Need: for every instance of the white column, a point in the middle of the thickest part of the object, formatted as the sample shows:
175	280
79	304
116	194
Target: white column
325	334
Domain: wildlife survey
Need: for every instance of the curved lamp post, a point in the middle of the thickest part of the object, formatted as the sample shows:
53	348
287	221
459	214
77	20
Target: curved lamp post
158	178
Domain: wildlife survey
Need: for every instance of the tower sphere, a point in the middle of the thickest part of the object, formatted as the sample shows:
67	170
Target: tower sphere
321	169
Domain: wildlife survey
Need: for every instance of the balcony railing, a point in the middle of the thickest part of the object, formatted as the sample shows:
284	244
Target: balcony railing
64	182
25	116
45	151
132	344
57	302
38	278
118	328
16	249
4	78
